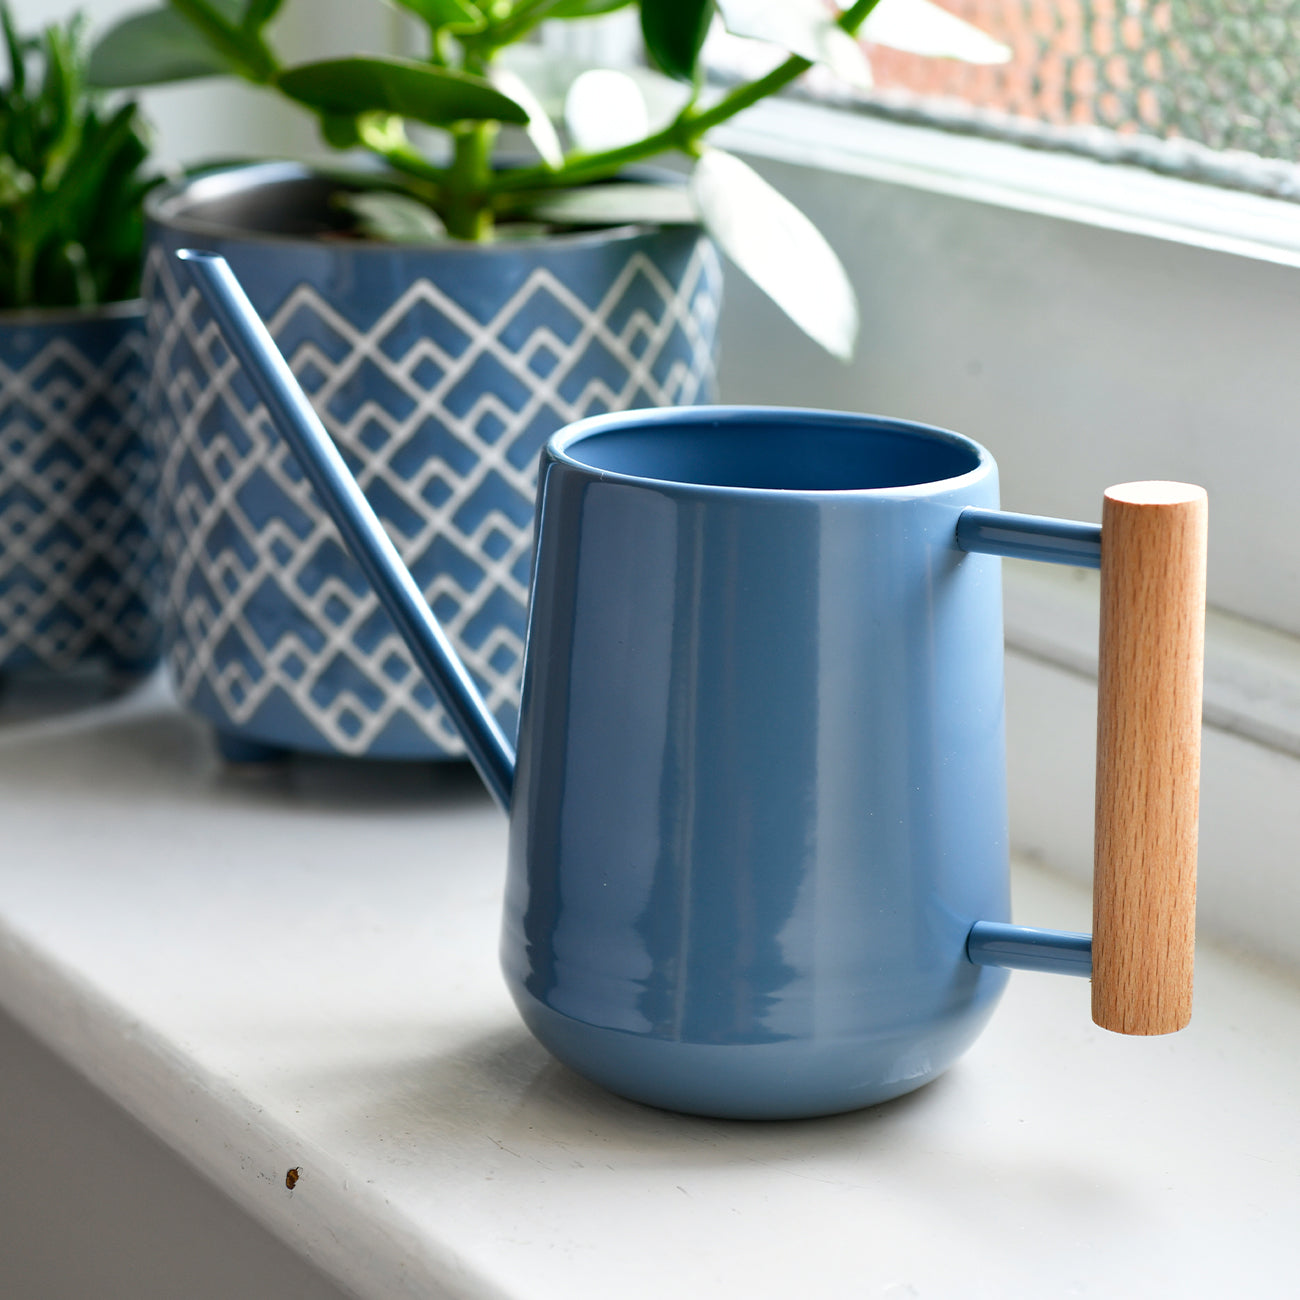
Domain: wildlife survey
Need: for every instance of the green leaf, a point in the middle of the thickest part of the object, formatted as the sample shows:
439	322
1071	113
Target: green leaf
17	49
15	183
920	27
803	27
455	15
70	182
774	244
393	218
508	232
73	256
619	203
258	14
550	76
219	22
605	109
674	32
150	48
231	12
64	92
419	91
340	130
540	129
585	8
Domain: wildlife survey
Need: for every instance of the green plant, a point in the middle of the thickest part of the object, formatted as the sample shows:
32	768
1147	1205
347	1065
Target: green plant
71	182
466	87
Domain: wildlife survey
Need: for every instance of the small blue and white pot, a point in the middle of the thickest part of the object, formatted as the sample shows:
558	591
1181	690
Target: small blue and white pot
78	565
439	371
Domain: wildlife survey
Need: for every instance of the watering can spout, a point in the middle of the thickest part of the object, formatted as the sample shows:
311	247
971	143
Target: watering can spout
489	750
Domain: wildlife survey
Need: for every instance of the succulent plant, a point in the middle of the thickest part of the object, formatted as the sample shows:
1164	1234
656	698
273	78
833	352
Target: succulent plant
71	177
468	86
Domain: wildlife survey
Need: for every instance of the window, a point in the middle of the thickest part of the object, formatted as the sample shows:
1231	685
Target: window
1204	89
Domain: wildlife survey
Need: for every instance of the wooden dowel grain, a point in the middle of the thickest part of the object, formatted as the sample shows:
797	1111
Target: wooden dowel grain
1148	755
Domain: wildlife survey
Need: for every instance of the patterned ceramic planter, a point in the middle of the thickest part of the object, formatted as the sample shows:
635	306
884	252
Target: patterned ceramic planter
439	371
77	559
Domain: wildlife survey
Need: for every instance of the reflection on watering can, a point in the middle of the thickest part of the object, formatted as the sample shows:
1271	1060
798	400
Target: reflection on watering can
758	844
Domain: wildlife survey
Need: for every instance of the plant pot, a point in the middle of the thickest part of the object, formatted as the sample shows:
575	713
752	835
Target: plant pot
78	565
439	371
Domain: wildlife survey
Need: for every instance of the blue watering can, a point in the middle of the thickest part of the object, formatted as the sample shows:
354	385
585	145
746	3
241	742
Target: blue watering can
758	860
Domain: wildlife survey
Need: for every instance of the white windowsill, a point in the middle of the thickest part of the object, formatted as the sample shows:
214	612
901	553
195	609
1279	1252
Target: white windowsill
1112	196
298	970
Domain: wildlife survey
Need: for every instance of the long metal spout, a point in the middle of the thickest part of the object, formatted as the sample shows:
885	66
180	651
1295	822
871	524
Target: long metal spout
489	750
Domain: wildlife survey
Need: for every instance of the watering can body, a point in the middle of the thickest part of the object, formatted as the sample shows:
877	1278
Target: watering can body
760	790
758	858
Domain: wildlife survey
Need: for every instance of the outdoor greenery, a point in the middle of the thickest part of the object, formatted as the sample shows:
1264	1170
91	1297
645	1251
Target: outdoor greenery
468	87
71	178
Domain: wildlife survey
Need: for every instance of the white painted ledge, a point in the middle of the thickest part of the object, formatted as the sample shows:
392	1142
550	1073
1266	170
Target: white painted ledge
1106	195
1252	673
298	970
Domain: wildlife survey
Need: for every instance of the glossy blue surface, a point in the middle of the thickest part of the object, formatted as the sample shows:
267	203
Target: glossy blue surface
760	791
758	860
1022	947
1030	537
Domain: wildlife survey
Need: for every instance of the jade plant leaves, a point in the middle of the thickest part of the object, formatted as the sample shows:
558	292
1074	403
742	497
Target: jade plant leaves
617	203
774	244
674	32
393	218
550	76
605	109
920	27
540	129
585	8
150	48
455	15
804	27
259	13
436	96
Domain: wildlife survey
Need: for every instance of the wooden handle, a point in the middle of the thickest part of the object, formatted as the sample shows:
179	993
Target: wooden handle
1153	538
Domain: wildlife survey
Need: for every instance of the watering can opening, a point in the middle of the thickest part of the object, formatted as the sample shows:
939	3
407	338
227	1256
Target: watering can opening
770	450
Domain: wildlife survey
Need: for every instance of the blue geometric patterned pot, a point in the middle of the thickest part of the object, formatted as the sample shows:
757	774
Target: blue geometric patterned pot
78	565
439	371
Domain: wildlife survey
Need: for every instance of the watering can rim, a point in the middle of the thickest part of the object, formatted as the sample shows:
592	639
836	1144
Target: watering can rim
561	448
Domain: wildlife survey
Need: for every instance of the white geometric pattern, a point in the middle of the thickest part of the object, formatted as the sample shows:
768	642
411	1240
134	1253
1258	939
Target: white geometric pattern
77	563
440	416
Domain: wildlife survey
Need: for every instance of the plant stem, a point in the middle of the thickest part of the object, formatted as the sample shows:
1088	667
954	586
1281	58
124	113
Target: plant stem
680	134
524	18
246	50
24	274
467	211
579	168
388	139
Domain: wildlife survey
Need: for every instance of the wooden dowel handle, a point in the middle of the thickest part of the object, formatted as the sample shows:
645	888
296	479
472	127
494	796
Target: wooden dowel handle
1153	547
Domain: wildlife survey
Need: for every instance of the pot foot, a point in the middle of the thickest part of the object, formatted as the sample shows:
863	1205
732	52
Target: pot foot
125	675
241	751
